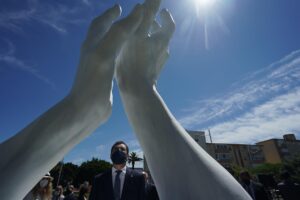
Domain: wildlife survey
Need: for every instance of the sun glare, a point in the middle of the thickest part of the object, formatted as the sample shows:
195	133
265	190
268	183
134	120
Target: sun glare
205	3
207	15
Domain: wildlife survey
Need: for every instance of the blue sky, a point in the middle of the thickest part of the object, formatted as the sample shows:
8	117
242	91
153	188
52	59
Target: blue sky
234	68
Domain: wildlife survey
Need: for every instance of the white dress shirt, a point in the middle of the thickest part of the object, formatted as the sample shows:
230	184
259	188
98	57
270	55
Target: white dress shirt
122	177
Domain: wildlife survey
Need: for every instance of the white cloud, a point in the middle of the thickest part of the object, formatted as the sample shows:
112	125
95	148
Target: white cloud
57	16
100	149
87	2
133	144
271	119
265	104
12	19
11	60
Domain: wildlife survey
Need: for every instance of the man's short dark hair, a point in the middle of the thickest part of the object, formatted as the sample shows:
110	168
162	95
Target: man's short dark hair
117	143
245	173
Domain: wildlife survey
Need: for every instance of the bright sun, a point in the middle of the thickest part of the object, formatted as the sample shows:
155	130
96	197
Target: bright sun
205	3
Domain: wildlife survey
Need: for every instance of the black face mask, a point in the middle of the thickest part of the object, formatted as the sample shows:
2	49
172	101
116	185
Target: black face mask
118	157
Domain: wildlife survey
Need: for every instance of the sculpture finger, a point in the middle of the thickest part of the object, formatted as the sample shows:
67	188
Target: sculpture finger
155	27
120	32
101	24
163	36
150	9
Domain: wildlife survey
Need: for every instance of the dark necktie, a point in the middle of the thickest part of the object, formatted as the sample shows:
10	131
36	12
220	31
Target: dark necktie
117	186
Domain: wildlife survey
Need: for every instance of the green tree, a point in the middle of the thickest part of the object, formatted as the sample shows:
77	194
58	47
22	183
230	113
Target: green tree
89	169
133	157
293	167
267	168
235	171
68	174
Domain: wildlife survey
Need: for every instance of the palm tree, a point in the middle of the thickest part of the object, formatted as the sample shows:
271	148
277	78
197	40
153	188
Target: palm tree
132	158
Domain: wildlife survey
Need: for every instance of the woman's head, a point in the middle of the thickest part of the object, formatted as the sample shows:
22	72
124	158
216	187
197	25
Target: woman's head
44	187
84	189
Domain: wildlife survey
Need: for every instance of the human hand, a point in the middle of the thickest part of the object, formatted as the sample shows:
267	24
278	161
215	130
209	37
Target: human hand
93	83
144	54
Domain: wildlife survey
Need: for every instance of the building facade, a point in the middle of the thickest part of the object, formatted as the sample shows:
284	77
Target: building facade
199	137
278	150
242	155
247	155
228	155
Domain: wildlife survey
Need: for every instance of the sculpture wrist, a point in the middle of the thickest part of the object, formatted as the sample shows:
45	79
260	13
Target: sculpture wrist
88	105
136	86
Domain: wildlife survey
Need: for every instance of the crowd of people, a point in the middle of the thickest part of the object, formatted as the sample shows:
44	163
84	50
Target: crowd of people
286	189
44	191
119	182
123	183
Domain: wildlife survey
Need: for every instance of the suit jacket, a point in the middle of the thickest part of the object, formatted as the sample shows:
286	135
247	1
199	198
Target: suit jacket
151	192
133	188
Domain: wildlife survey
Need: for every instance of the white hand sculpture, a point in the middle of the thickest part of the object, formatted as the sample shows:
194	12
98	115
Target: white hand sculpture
180	167
143	56
28	155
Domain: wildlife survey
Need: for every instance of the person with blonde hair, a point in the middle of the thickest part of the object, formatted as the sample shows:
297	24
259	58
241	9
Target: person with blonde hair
42	190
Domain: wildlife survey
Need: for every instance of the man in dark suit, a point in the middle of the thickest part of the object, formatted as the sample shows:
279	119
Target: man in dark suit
120	182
